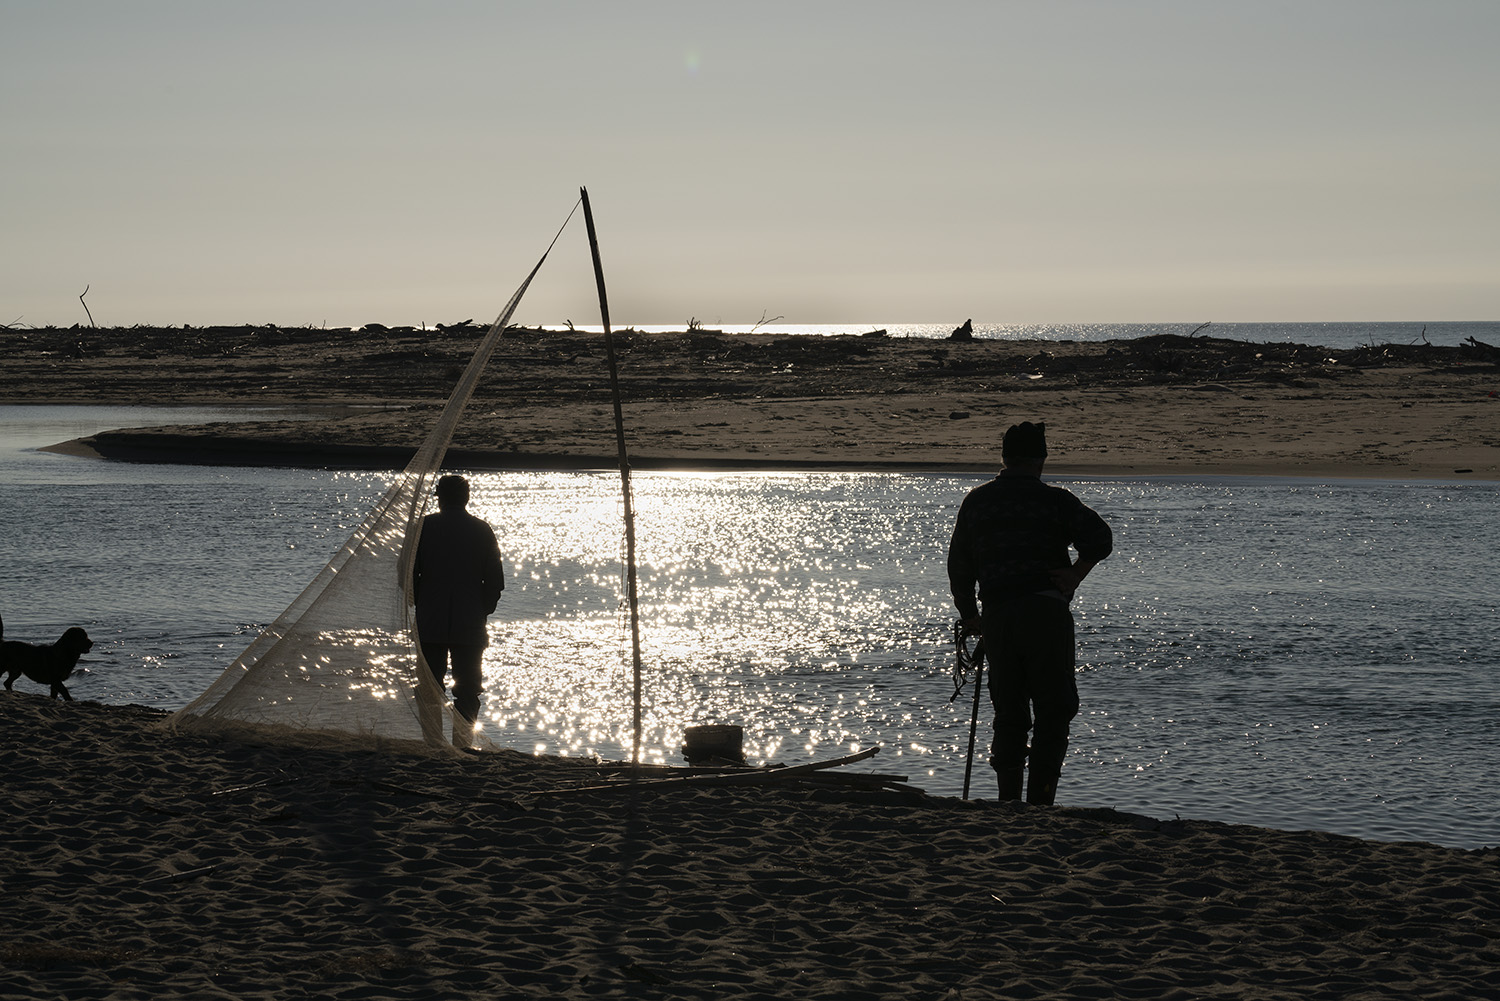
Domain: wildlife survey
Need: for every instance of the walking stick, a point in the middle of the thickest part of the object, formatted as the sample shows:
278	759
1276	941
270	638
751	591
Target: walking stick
965	658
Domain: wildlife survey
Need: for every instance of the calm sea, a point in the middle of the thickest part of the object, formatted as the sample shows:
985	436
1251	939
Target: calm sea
1330	335
1287	653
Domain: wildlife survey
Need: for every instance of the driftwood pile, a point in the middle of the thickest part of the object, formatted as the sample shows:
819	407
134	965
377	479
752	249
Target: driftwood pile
268	364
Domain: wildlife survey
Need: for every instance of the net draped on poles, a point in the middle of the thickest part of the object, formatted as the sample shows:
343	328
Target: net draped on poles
343	662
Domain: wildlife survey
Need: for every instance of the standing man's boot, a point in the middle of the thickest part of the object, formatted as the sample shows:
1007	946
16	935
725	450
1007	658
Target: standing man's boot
1010	782
1041	790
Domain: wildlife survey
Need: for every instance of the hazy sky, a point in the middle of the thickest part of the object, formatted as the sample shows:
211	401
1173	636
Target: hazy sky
346	162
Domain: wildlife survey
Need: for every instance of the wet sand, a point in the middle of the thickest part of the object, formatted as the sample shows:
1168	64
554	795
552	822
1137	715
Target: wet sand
1174	405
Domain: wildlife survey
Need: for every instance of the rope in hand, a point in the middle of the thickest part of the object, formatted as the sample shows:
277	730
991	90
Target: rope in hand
970	659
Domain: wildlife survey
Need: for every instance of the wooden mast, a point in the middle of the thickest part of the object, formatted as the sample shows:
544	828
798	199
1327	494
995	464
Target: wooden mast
630	576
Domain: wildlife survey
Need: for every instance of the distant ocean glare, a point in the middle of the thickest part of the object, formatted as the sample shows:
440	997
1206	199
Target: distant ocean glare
1329	335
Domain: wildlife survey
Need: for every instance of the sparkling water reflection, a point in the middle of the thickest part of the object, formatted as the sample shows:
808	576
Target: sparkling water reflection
756	589
1286	653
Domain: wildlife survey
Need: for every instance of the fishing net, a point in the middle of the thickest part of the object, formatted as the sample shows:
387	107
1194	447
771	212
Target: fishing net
342	664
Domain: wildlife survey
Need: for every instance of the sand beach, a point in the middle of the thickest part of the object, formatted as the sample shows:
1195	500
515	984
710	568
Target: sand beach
144	863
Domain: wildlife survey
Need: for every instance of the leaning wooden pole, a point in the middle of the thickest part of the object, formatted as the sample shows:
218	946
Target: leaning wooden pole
630	577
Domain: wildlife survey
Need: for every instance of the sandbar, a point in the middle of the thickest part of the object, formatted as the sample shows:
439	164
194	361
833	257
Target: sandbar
1177	405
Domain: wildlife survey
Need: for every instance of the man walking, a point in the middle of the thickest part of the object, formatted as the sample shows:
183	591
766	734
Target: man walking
456	579
1012	541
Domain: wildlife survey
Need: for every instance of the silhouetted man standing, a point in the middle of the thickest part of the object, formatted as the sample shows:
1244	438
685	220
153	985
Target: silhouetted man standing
1012	540
457	579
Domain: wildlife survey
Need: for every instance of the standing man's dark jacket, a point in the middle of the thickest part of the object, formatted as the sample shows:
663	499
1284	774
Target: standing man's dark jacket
457	579
1011	533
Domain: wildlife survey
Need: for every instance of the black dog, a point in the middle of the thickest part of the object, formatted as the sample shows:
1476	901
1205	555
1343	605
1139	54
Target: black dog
46	665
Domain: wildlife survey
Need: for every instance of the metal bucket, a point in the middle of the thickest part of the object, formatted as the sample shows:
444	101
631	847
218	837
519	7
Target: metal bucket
714	744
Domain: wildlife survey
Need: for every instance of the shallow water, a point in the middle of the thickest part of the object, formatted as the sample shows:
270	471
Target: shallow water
1286	653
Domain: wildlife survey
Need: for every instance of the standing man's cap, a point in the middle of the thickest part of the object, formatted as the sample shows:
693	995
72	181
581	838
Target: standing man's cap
1025	441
